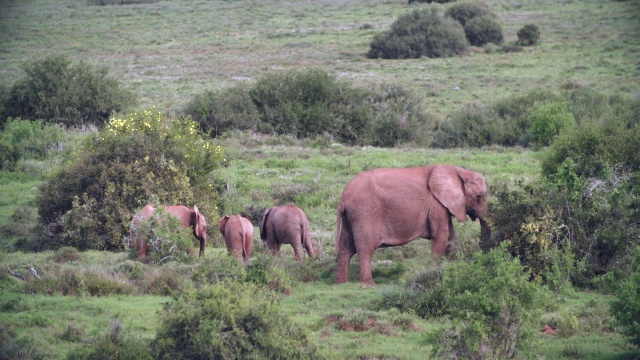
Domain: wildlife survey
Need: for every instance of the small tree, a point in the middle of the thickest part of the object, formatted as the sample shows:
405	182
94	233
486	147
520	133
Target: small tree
625	308
528	35
483	30
463	12
57	91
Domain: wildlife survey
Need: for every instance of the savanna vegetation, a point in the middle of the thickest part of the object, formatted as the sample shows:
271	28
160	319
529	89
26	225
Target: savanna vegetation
106	106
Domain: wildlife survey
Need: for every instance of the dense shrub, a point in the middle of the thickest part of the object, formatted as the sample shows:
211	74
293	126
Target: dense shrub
57	91
311	102
528	35
228	320
419	33
463	12
145	157
473	125
482	30
547	121
492	305
222	110
24	139
625	308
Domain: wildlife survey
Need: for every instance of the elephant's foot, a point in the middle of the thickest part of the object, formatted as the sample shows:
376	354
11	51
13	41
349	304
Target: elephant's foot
368	282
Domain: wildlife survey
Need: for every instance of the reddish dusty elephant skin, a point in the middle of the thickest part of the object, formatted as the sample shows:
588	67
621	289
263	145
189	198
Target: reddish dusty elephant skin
286	225
238	235
391	207
192	218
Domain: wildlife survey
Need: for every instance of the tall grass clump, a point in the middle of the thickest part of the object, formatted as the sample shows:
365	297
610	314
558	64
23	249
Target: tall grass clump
229	321
625	308
419	33
57	91
115	343
135	160
24	139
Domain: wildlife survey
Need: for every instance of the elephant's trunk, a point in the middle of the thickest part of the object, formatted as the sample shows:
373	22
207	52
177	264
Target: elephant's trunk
485	235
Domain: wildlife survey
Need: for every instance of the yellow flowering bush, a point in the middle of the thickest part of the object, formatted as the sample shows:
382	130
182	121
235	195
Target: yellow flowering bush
141	158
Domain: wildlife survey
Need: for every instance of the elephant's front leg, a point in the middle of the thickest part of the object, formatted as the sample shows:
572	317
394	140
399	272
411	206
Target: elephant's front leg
452	247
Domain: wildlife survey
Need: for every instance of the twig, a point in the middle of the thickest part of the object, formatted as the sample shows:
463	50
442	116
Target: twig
33	271
14	274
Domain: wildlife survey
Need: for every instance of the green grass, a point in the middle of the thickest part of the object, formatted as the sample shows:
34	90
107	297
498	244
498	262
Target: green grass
169	51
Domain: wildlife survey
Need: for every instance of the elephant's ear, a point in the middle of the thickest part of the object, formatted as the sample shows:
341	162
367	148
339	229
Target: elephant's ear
447	187
223	223
263	224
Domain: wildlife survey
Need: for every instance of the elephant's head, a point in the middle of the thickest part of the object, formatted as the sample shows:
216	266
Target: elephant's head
263	224
461	191
200	229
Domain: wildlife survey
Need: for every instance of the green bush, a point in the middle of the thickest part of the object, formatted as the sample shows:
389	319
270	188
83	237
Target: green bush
493	307
473	125
482	30
220	111
228	321
528	35
419	33
311	102
133	161
431	1
265	271
547	121
625	308
463	12
25	139
57	91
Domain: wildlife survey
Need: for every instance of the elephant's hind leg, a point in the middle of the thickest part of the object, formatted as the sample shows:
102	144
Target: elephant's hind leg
345	251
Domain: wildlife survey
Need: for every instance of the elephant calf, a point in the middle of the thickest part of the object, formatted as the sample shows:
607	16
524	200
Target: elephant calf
192	218
286	225
238	235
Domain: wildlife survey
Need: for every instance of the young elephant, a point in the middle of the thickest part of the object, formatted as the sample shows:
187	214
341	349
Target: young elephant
286	225
391	207
188	218
238	235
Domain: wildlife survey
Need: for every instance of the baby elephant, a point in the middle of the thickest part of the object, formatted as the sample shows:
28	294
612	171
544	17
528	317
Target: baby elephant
238	235
286	225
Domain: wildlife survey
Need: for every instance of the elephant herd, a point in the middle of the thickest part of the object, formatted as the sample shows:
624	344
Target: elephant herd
378	208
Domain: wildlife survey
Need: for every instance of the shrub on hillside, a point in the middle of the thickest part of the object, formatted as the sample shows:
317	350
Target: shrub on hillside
625	308
146	156
225	321
482	30
311	102
548	121
493	307
463	12
528	35
24	139
419	33
57	91
219	111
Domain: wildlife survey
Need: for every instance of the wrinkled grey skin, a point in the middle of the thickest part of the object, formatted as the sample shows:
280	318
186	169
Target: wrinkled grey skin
391	207
286	225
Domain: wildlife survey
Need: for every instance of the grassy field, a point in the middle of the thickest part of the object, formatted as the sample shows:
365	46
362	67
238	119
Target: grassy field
169	51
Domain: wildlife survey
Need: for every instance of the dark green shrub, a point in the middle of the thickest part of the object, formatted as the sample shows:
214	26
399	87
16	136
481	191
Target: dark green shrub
473	125
265	271
219	268
228	321
493	307
311	102
25	139
528	35
19	347
419	33
547	121
431	1
625	308
142	158
482	30
463	12
222	110
114	344
57	91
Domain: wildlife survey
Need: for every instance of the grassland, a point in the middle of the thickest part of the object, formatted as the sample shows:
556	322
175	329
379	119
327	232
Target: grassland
169	51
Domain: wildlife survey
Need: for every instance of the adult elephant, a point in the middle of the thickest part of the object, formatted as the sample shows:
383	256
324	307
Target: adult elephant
238	235
391	207
286	225
192	218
